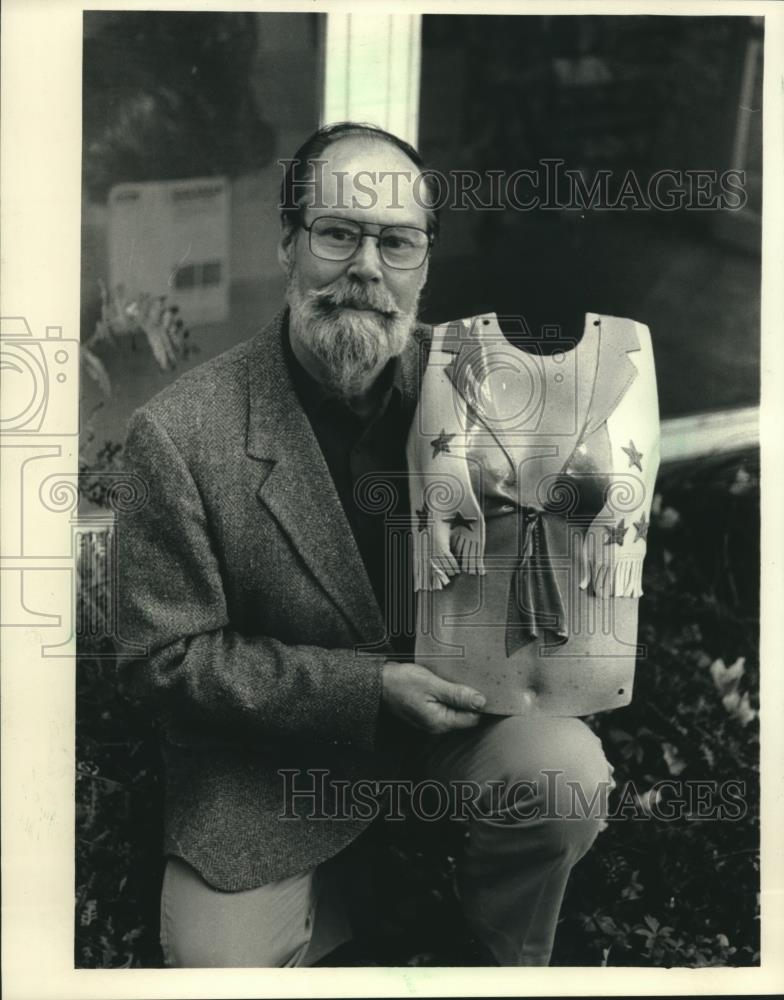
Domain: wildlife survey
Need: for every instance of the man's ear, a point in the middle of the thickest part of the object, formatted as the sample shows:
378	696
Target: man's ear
288	233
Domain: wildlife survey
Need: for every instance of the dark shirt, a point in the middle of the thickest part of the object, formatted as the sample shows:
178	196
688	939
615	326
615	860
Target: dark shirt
366	458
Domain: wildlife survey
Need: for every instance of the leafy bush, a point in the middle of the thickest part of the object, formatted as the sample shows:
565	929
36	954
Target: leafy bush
118	827
684	892
118	787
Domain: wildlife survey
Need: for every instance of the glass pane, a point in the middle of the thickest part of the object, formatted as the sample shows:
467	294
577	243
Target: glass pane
185	117
211	272
632	96
184	277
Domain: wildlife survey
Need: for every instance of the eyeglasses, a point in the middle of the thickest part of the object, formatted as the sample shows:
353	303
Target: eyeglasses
403	247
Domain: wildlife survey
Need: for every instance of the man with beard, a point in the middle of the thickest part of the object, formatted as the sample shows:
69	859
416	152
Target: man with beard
265	581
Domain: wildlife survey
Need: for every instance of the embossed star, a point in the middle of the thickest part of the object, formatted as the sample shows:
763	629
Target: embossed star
441	443
635	457
423	516
458	521
449	370
615	535
641	527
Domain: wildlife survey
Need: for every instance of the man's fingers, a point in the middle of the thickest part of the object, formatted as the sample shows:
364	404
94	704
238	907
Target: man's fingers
427	701
461	720
459	696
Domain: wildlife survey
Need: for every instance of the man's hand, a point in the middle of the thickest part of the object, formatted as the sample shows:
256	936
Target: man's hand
423	700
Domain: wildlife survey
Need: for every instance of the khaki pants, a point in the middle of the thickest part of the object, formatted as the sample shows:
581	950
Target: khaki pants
530	828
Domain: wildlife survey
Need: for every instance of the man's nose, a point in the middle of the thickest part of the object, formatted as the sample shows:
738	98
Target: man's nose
366	263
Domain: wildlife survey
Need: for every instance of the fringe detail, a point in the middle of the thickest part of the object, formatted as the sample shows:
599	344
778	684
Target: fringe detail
434	570
623	579
468	552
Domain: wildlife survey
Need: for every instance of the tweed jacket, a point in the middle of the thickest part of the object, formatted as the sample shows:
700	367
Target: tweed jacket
241	579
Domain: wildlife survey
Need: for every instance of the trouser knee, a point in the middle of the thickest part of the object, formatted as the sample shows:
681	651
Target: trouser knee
549	772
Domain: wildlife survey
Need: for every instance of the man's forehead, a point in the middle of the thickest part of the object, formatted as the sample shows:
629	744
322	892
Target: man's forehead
371	176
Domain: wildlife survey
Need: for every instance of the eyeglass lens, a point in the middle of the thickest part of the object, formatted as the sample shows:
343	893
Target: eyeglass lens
338	239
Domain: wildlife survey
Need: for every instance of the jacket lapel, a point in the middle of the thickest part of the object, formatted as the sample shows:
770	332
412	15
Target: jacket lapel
297	486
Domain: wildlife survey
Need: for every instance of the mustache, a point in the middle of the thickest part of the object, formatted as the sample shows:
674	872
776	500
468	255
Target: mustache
355	297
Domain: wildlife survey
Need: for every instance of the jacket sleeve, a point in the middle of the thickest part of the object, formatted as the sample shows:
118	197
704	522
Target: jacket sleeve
199	671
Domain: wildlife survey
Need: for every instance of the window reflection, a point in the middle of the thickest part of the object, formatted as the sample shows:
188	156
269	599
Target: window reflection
627	96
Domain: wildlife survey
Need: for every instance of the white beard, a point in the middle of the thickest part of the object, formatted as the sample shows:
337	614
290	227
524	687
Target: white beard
350	345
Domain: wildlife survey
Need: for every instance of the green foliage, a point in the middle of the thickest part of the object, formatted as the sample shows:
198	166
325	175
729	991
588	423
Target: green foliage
126	315
684	892
118	827
651	892
155	321
118	780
